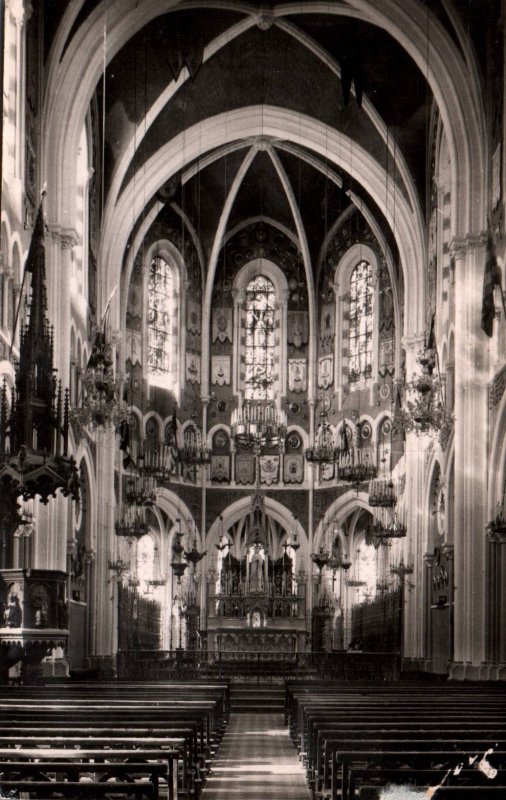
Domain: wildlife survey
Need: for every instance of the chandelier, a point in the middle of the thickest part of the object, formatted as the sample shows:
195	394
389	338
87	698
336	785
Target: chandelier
327	557
258	426
34	415
157	580
401	570
355	464
382	493
140	489
323	450
389	528
177	564
156	463
100	388
119	567
193	556
424	410
194	451
131	524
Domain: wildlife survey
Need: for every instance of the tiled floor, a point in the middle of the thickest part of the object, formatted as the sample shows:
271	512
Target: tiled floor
256	760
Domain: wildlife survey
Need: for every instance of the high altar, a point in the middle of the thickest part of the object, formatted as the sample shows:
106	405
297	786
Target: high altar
256	602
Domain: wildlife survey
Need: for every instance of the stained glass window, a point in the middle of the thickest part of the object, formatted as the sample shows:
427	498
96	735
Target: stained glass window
259	347
160	312
361	324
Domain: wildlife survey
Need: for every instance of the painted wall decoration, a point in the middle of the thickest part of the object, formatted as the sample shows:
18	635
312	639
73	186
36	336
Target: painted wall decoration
293	468
244	468
297	374
220	469
193	368
325	372
326	471
193	316
220	370
297	328
134	347
222	325
327	327
269	469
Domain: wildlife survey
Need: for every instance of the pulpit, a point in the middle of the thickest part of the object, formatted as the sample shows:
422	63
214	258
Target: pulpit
33	620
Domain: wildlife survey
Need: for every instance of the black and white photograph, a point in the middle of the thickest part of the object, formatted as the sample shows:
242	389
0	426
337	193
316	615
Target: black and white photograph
253	400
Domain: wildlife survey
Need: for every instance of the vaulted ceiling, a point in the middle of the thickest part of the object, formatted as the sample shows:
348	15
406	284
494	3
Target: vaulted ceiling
238	56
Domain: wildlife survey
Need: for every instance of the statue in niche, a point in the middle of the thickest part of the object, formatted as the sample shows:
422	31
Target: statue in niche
257	569
13	613
256	620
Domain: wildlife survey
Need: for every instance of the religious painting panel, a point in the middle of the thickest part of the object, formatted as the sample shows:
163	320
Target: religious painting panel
297	328
220	370
325	372
220	468
222	325
297	375
193	368
293	468
269	469
244	468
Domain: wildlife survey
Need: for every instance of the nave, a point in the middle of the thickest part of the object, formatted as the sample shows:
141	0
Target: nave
324	740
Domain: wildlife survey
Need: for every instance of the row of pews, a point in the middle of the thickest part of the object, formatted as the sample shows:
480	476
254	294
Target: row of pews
116	740
356	739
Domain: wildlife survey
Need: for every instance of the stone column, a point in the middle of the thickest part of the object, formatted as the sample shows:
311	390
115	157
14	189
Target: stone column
106	547
427	611
471	421
416	449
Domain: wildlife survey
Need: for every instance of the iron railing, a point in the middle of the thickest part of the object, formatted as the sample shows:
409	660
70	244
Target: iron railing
343	665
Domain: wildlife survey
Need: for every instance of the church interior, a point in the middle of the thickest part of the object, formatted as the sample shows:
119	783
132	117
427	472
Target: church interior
253	385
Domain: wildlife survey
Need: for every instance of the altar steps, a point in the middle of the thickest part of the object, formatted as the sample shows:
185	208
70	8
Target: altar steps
258	698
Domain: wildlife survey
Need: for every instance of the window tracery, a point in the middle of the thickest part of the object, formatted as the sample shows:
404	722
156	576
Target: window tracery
160	313
260	339
361	324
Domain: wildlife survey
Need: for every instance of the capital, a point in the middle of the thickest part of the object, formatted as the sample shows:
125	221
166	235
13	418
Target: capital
413	343
459	246
20	10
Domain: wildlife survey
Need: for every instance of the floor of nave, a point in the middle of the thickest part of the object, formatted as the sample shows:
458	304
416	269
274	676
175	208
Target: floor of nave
256	760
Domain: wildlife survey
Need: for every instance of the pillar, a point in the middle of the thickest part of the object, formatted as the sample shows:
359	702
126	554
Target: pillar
416	449
471	421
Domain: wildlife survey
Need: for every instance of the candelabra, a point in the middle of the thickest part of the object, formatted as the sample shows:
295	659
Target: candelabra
258	425
323	450
390	527
401	570
194	450
424	410
382	494
131	523
100	389
119	567
140	489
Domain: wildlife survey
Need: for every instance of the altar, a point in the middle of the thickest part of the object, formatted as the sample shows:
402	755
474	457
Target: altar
256	640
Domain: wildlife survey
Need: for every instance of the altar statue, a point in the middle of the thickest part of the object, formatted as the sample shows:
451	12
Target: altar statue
256	570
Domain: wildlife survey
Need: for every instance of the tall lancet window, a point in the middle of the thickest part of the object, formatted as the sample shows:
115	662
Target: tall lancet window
361	324
160	320
260	339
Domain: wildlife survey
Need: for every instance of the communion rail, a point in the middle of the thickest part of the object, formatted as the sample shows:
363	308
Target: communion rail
339	665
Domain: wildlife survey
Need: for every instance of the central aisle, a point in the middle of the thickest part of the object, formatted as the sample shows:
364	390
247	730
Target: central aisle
256	760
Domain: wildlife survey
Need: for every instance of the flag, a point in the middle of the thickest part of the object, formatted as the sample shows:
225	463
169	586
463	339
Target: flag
491	278
36	253
124	444
431	339
171	439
